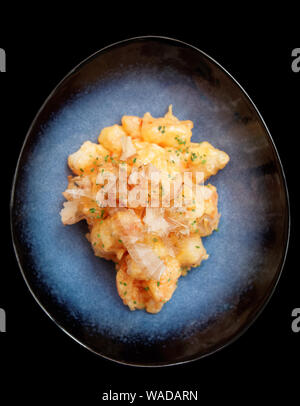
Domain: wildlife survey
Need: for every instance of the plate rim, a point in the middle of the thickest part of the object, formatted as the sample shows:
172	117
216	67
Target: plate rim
262	305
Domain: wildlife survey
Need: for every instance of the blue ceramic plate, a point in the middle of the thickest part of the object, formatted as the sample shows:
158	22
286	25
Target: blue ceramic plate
214	303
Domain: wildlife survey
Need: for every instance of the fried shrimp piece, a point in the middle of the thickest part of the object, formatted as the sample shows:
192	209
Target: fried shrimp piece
209	221
147	294
105	241
128	225
132	125
205	218
200	216
190	251
132	291
147	153
111	138
70	213
166	131
163	289
203	157
82	161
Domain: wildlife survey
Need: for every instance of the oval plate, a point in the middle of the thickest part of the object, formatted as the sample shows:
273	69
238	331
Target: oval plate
214	303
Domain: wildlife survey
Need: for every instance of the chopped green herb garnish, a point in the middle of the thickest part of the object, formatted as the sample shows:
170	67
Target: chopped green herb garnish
92	210
179	140
158	283
193	156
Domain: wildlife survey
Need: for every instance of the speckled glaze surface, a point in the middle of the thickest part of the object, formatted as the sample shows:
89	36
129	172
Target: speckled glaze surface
214	303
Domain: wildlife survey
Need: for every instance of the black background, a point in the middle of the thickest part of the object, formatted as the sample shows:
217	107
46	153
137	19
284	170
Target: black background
37	359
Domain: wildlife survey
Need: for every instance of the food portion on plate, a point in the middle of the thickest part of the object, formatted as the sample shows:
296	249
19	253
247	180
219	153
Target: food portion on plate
141	191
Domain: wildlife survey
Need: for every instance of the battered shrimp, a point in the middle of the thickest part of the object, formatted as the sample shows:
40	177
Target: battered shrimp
151	245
